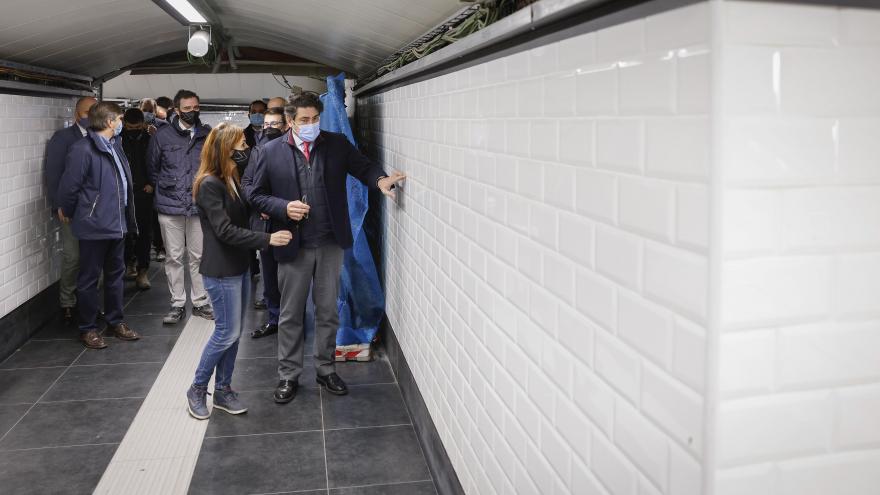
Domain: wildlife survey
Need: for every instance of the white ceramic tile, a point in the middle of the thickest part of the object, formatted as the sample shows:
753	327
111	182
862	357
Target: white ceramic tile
827	354
693	78
780	23
647	206
774	289
645	326
773	427
621	41
618	145
677	28
677	148
647	85
576	142
596	90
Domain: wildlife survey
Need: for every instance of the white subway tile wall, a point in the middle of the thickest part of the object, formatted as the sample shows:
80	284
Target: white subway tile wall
29	238
799	350
546	268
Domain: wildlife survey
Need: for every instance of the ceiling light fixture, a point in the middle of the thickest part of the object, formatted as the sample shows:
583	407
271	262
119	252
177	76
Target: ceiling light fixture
182	10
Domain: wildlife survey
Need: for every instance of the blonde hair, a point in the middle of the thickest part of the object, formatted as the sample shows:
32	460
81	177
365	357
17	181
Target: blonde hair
216	158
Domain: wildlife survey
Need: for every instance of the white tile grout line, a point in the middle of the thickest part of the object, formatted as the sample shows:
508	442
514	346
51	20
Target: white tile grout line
159	451
66	369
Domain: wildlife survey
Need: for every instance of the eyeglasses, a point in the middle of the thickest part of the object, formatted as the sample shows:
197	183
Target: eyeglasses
273	124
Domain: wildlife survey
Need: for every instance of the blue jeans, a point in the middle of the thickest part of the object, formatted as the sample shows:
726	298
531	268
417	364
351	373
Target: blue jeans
229	296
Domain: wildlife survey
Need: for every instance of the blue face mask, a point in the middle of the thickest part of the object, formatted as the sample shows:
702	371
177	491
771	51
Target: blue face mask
256	119
309	132
83	121
118	129
149	117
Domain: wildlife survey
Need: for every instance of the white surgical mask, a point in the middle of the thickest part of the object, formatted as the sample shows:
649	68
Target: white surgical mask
308	132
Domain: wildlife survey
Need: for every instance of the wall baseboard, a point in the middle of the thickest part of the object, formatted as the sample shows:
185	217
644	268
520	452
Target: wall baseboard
19	325
438	461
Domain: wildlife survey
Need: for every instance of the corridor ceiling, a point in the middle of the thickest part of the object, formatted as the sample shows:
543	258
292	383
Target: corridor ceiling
98	37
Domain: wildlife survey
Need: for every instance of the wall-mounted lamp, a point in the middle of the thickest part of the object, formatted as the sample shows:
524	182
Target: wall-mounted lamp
199	42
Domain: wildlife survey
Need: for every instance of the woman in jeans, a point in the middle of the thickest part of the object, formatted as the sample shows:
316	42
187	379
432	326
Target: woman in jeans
223	212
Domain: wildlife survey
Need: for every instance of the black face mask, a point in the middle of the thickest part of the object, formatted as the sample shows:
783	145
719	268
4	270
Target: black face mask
241	157
189	117
272	133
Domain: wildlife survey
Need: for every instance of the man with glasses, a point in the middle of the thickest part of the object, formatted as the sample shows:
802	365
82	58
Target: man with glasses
312	202
172	162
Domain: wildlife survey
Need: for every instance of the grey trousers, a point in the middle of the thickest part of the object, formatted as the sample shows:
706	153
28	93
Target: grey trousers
69	267
320	268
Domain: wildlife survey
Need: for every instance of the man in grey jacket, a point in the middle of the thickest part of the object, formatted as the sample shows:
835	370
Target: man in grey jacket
172	162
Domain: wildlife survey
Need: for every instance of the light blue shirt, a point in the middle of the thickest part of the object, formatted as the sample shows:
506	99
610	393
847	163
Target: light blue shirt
119	167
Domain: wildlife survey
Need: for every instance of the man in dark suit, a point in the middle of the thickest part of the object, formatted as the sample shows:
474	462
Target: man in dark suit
56	153
299	181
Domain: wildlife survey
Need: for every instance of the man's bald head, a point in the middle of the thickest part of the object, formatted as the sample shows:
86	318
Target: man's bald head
83	105
277	102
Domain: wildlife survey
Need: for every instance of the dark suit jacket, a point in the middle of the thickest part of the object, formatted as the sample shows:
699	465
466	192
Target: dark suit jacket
227	239
56	153
275	183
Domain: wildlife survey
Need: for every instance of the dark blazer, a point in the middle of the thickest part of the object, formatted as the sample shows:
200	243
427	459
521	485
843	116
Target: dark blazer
56	153
90	191
135	144
172	163
275	183
227	239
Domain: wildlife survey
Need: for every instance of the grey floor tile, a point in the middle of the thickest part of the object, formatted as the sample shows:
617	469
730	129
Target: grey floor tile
146	350
19	386
365	405
265	347
41	354
56	329
104	381
64	470
365	373
374	456
260	464
10	414
262	374
418	488
72	423
265	416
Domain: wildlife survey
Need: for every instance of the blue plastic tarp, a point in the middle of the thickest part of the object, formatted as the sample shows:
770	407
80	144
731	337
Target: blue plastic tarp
361	302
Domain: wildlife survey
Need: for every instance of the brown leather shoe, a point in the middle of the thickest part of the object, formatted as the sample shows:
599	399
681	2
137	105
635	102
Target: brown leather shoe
123	332
92	340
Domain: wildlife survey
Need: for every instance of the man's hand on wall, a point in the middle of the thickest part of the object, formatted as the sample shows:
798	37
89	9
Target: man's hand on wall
386	184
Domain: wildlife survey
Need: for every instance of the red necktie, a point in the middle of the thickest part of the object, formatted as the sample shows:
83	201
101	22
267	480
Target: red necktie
306	150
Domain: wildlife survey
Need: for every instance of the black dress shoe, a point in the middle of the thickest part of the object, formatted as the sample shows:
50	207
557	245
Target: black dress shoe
67	314
285	391
260	304
333	384
265	330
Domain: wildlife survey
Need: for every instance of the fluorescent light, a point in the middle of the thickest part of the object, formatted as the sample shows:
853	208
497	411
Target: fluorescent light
184	8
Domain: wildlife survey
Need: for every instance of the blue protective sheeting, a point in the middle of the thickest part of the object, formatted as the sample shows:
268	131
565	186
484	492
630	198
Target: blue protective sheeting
361	302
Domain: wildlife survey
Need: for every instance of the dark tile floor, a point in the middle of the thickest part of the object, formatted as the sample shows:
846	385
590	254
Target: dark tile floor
64	409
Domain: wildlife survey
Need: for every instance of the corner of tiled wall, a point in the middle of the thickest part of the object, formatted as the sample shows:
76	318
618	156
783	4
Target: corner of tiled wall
799	358
547	269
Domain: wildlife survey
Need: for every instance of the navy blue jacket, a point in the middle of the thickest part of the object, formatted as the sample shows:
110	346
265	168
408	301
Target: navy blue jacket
172	162
275	184
56	153
90	192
